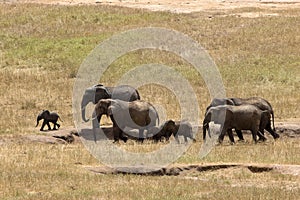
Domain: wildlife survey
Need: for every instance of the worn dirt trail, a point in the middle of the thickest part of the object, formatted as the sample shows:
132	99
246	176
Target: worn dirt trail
178	6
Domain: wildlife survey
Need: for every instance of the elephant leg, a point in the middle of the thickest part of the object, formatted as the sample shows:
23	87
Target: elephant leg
116	133
141	135
55	124
185	139
240	135
254	135
43	125
177	139
124	138
204	132
95	123
261	136
48	124
222	135
230	135
271	131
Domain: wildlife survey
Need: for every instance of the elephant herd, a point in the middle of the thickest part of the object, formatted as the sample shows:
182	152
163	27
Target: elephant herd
254	114
123	105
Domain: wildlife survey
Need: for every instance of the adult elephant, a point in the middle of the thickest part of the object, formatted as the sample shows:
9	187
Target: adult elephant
243	117
97	92
259	102
137	114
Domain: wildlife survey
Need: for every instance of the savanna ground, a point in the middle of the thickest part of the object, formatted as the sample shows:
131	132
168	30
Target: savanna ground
254	44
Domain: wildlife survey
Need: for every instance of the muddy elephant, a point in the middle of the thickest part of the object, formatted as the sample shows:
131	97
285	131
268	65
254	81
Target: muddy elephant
259	102
48	117
244	117
97	92
175	128
137	114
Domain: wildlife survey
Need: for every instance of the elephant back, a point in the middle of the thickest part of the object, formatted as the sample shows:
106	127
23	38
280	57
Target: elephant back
124	93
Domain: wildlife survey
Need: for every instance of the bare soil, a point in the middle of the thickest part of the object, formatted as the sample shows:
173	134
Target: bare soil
181	6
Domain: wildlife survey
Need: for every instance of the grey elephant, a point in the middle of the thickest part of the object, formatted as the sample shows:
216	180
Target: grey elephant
244	117
175	128
166	130
137	114
183	128
48	117
97	92
259	102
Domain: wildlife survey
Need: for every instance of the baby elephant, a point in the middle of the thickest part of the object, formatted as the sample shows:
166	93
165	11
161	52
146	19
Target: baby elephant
163	131
48	117
183	128
175	128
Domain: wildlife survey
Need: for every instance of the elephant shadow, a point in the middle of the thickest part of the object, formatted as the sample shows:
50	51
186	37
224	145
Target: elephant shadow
105	133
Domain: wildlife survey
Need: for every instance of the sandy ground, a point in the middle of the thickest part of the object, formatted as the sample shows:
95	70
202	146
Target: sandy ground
178	6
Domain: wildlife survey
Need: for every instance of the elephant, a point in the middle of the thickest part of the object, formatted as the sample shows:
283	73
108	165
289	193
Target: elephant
243	117
165	130
97	92
136	114
175	128
183	128
259	102
48	116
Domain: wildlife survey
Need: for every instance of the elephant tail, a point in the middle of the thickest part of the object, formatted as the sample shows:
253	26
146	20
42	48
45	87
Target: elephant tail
60	119
272	114
273	121
138	95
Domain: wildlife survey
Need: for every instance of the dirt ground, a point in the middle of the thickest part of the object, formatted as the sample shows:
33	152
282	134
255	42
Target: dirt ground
181	6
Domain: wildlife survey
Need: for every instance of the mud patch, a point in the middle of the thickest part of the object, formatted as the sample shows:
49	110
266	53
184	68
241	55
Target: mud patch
291	130
185	170
61	136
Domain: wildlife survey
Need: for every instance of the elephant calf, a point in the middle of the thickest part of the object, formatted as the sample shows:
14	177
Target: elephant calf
183	128
166	130
175	128
244	117
48	117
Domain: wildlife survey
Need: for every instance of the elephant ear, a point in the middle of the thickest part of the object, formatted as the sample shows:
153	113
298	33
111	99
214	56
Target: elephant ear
101	92
114	108
47	112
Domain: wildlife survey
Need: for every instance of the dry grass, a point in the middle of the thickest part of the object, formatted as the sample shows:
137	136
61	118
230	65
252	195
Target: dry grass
43	46
45	171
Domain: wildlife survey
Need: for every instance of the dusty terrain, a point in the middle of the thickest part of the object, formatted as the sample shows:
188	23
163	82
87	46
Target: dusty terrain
180	6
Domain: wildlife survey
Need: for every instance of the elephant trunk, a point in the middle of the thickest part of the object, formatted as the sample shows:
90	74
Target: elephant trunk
83	115
84	103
